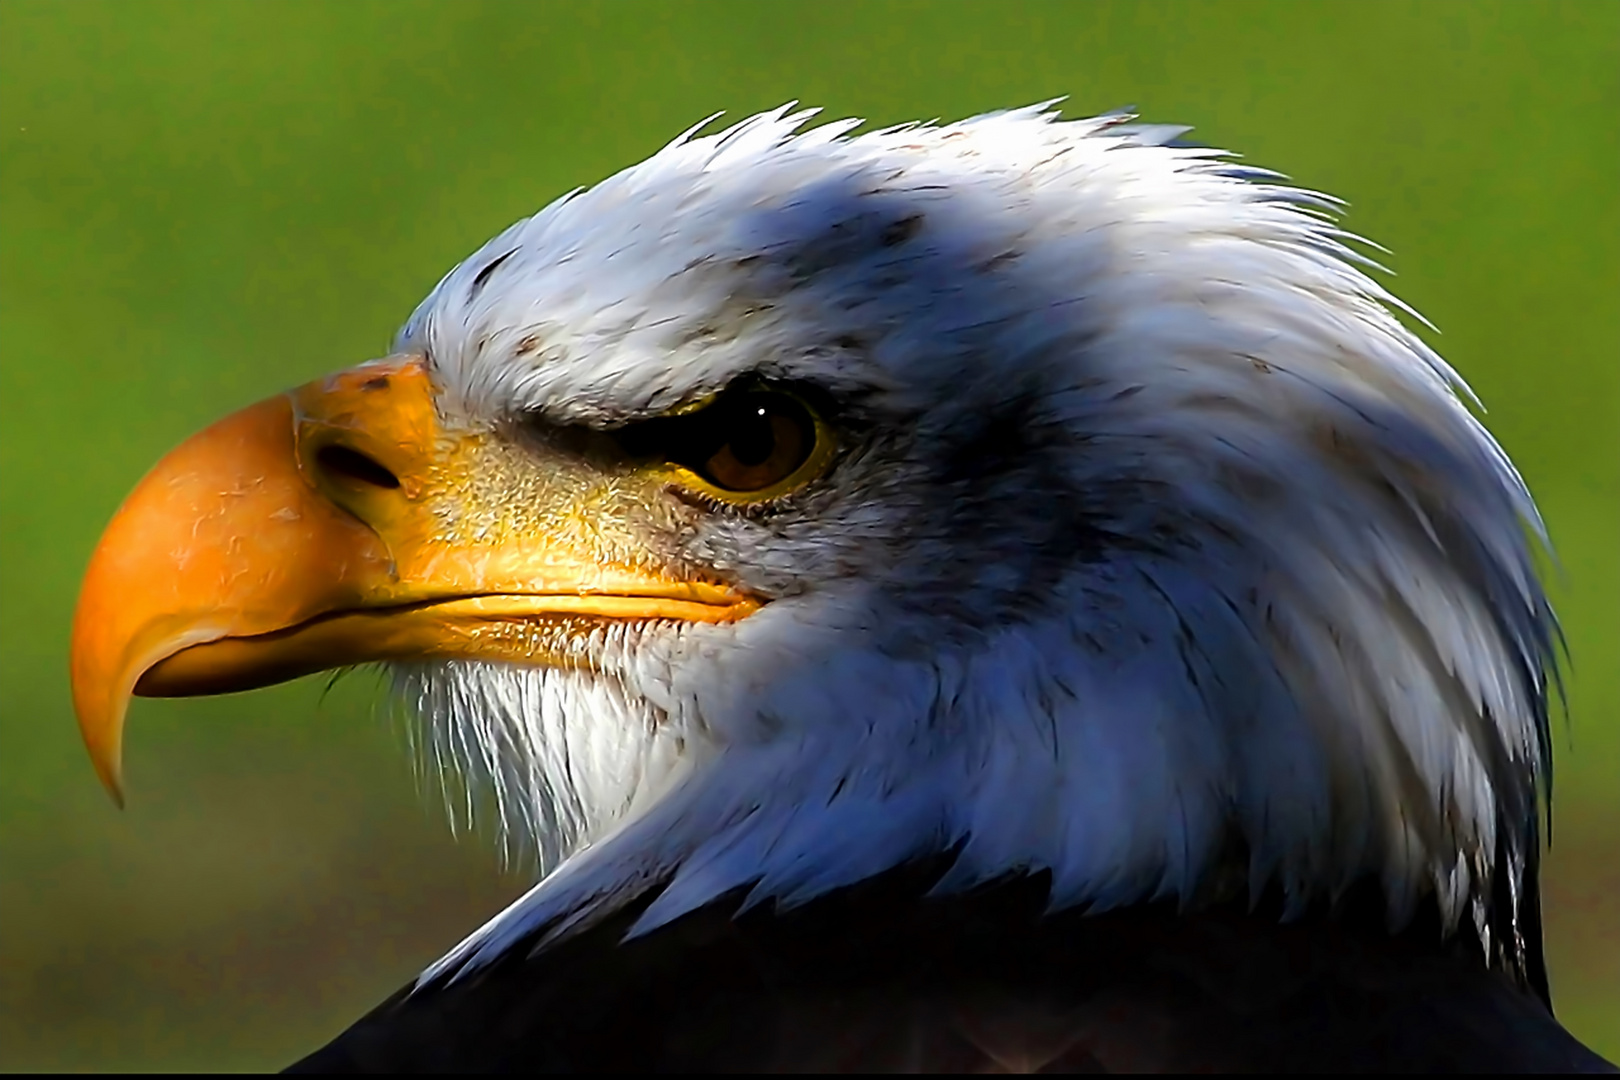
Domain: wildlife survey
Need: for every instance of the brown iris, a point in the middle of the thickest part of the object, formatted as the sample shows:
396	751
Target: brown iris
746	442
770	436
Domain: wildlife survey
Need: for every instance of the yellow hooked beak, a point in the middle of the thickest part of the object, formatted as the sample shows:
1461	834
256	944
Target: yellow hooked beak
340	523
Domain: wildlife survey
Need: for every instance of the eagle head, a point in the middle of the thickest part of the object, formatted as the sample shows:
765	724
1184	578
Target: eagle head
1049	495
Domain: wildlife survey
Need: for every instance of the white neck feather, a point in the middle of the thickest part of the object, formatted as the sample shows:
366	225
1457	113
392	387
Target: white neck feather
1328	645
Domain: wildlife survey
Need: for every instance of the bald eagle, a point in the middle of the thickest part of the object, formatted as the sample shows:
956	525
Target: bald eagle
1007	594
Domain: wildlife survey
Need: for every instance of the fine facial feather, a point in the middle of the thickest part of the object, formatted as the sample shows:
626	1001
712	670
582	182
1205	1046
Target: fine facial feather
1154	540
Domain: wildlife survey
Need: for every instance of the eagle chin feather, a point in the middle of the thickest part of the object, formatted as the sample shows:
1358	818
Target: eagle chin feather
1159	557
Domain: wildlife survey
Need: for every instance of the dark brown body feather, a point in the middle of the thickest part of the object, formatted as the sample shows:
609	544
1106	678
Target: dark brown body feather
883	978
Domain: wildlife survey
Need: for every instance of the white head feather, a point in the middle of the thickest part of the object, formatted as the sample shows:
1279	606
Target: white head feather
1157	537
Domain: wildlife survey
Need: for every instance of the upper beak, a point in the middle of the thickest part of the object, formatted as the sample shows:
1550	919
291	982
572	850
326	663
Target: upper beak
336	524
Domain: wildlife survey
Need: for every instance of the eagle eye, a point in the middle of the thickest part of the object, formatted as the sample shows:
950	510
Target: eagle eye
766	438
743	445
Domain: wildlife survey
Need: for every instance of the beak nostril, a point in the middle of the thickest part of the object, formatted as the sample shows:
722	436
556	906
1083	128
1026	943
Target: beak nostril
351	464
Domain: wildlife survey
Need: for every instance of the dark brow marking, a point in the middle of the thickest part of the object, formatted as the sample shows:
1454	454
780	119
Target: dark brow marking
482	279
899	231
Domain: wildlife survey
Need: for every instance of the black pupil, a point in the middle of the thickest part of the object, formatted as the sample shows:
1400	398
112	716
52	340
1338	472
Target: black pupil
753	439
746	426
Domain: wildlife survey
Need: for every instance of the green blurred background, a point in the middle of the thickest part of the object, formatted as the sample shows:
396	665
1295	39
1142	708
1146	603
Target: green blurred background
203	203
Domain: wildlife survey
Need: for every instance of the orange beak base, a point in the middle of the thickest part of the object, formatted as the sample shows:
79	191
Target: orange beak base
308	532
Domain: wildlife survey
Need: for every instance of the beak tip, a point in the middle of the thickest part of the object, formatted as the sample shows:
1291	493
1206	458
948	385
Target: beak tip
101	724
110	771
108	758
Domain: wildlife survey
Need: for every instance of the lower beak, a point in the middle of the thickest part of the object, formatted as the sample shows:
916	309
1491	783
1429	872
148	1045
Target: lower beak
336	524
